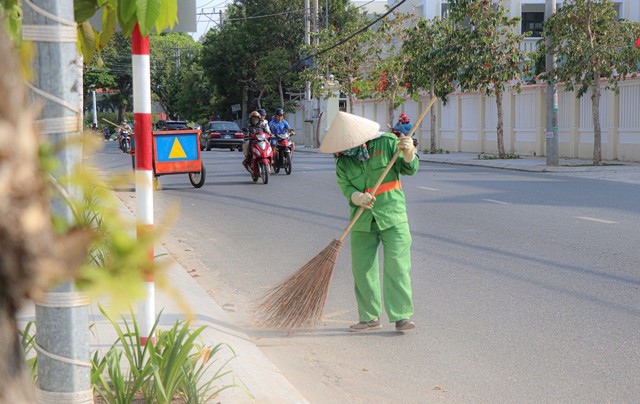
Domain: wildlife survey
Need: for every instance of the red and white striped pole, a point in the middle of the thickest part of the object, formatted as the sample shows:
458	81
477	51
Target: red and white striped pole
144	167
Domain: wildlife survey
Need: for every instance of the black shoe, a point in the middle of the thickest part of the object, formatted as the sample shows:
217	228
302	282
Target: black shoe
404	325
366	326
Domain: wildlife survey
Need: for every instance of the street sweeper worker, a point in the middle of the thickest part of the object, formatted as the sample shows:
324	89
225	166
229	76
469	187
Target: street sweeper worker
361	155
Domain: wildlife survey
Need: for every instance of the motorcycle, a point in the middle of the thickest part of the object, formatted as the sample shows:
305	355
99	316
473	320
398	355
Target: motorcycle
125	141
398	134
283	152
260	155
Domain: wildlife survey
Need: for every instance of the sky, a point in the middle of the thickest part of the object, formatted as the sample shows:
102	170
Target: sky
207	16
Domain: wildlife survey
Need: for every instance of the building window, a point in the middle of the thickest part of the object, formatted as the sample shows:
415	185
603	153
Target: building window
532	23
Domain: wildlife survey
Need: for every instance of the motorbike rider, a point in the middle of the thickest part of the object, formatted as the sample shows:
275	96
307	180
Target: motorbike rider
255	125
123	127
278	125
403	126
263	120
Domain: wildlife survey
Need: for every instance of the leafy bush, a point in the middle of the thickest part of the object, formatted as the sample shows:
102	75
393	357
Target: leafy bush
173	368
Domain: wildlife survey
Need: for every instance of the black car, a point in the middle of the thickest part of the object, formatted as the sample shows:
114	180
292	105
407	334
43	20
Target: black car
171	125
221	135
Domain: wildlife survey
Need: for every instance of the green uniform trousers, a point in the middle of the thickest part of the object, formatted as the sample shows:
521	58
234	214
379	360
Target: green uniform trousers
396	245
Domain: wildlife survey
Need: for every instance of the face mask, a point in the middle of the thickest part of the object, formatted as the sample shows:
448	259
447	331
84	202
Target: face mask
361	152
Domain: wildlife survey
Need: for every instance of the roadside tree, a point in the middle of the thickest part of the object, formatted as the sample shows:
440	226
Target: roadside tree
592	45
236	56
431	66
487	52
387	77
345	61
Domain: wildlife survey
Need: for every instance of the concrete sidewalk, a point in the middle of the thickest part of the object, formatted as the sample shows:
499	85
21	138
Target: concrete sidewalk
260	380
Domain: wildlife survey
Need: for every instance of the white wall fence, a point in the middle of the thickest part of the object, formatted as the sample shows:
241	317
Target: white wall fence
468	122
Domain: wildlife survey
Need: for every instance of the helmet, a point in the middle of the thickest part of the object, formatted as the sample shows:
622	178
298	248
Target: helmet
279	112
253	115
262	112
404	118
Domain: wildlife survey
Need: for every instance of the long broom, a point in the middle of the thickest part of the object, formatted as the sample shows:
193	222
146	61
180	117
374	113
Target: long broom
298	302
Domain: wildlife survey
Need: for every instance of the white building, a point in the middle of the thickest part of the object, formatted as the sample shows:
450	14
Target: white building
531	13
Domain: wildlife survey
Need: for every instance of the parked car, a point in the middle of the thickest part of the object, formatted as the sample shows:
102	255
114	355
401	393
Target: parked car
221	135
171	125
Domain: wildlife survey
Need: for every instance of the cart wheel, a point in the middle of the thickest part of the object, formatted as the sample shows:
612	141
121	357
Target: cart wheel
197	179
156	184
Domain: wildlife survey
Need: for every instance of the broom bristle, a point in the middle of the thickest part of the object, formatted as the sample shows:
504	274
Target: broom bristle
298	302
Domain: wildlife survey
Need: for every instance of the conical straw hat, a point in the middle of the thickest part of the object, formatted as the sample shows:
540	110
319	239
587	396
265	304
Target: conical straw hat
348	131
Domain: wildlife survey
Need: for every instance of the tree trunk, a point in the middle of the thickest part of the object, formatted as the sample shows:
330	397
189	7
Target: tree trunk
595	110
350	100
391	110
281	91
432	125
500	128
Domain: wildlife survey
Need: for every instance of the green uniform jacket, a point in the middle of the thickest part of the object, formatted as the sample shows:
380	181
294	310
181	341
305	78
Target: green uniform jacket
354	175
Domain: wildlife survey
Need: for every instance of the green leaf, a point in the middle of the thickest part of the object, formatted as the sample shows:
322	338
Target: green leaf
109	19
128	25
84	9
148	12
168	15
126	10
87	41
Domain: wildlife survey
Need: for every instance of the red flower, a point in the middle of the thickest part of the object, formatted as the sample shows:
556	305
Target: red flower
487	65
353	89
638	43
406	85
357	92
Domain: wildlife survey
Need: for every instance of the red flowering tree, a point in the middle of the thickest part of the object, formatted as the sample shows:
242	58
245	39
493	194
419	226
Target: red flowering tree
486	50
387	77
341	61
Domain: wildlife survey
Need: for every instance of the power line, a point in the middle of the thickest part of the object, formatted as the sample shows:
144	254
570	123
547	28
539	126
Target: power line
347	39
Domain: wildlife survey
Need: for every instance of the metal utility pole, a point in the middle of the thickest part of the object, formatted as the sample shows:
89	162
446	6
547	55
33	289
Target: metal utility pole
552	96
94	109
62	318
307	42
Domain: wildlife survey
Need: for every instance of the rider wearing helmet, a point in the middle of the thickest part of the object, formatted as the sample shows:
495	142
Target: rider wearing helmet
403	126
263	120
278	124
256	125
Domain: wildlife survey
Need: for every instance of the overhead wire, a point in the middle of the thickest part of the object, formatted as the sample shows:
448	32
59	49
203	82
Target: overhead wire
299	62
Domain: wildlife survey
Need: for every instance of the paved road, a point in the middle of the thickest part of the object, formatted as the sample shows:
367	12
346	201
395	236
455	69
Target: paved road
525	284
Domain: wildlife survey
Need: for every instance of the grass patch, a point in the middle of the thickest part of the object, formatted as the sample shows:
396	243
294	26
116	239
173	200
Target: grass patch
438	151
593	165
483	156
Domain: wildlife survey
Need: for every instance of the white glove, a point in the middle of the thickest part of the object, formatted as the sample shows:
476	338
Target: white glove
364	200
405	144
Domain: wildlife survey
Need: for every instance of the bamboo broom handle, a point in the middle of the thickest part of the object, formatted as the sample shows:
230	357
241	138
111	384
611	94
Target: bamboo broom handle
114	124
386	170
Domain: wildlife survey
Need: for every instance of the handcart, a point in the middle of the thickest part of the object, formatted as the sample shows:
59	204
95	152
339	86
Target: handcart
176	152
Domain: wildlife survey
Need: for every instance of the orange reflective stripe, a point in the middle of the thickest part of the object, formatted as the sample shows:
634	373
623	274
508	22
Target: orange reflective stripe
386	187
